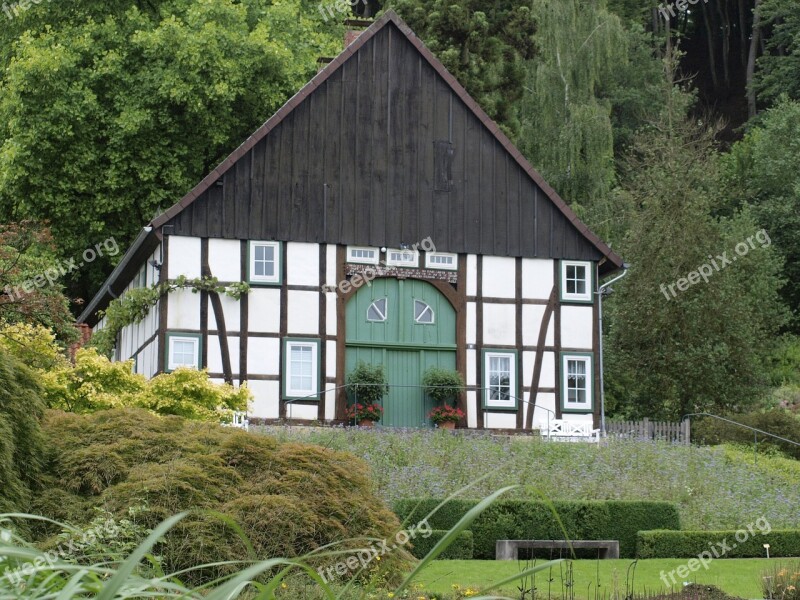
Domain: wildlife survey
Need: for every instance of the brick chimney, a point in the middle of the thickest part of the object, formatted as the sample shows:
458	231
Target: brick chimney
85	334
354	29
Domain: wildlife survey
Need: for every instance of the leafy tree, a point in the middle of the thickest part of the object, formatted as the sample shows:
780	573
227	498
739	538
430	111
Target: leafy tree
778	69
673	352
482	43
30	279
761	171
107	119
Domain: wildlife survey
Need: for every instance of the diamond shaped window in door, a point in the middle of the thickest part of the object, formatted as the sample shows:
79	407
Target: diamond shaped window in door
423	313
377	311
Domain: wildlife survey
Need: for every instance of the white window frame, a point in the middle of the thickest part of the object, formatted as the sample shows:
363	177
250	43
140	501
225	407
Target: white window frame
588	404
176	337
288	391
585	297
362	260
444	267
511	403
413	263
275	278
428	308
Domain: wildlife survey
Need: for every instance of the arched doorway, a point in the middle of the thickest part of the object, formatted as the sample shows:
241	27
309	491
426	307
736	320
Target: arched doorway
406	325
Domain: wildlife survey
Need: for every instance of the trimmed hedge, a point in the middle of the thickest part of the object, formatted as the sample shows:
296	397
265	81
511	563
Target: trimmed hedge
460	549
520	519
688	544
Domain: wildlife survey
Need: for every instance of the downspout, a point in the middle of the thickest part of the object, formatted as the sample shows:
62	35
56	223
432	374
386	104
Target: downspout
602	291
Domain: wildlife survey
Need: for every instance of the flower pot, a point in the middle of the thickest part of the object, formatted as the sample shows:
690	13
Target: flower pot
447	425
366	423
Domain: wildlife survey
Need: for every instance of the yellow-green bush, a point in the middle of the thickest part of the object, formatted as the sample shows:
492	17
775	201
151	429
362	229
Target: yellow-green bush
289	498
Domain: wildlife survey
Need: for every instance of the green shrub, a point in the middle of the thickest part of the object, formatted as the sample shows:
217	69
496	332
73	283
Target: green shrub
367	384
712	432
460	549
21	440
688	544
443	385
289	499
521	519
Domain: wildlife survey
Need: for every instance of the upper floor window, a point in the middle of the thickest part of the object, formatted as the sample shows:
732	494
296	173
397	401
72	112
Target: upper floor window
402	258
357	254
576	281
265	262
423	313
441	260
377	311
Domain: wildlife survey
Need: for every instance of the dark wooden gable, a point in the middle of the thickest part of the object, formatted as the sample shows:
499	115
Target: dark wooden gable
383	148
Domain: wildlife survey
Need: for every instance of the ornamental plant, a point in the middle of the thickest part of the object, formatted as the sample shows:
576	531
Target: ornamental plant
360	412
442	414
367	383
443	385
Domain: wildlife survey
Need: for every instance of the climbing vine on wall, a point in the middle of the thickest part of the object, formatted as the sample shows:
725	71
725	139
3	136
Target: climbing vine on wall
135	305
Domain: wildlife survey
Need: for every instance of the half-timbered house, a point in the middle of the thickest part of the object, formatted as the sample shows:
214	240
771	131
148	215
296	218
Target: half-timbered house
380	216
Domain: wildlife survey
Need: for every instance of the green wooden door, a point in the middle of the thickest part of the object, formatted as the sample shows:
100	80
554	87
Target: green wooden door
407	326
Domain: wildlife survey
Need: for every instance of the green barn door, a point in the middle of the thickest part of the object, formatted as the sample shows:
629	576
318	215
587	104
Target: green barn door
407	326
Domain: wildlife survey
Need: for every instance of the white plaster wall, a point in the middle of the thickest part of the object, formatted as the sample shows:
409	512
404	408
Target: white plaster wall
330	265
231	311
183	310
303	313
184	256
266	403
472	316
305	412
531	322
264	307
472	377
499	277
330	405
547	378
330	359
499	324
215	355
540	416
263	356
302	266
492	420
576	327
224	259
472	275
537	278
330	313
472	409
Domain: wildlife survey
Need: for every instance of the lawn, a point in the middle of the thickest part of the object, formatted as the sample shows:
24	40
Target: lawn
740	577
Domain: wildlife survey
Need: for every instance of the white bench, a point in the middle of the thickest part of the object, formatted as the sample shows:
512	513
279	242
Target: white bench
571	431
240	421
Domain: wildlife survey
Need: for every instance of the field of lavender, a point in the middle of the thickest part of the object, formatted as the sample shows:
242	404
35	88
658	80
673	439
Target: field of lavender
715	488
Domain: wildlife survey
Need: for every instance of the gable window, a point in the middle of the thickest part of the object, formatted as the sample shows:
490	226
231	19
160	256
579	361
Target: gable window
402	258
576	281
423	313
500	379
441	260
265	262
183	350
377	311
367	256
301	369
576	382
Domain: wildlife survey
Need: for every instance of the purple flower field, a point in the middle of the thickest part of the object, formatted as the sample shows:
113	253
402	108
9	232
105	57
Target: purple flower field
715	488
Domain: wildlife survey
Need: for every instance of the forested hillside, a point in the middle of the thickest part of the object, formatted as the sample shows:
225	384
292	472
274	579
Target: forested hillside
675	137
